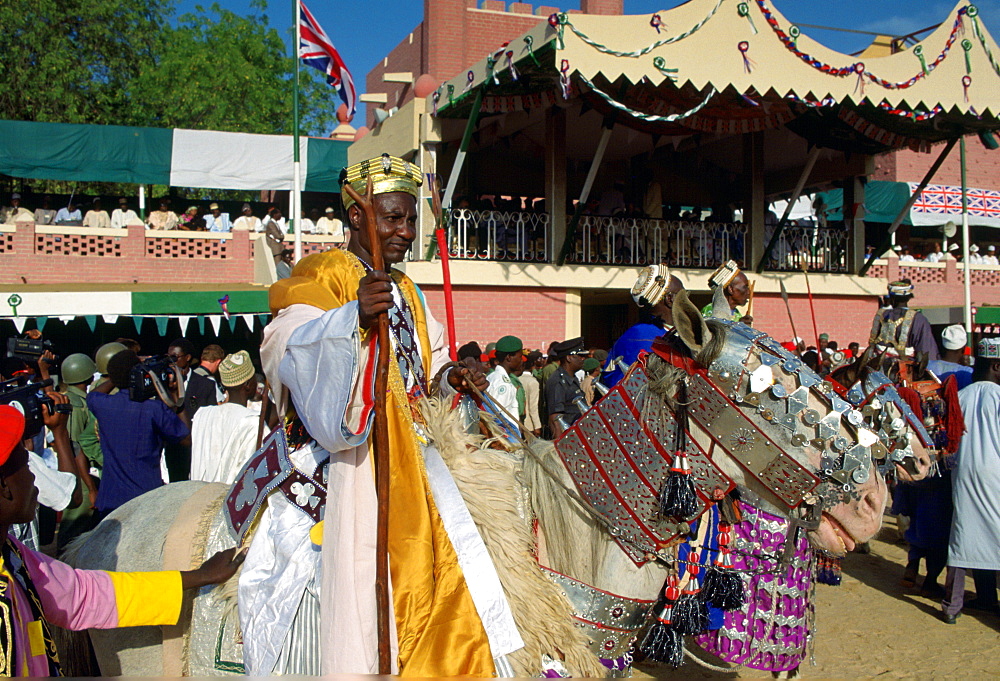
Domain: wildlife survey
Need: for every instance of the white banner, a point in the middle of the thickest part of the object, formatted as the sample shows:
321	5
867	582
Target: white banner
234	160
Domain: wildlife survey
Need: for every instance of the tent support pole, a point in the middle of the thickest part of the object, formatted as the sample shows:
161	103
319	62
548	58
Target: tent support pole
799	186
967	312
905	210
588	184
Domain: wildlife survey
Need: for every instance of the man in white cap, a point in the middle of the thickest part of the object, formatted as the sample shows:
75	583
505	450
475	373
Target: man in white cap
974	257
975	528
653	293
936	254
329	224
15	210
123	215
905	256
952	363
216	220
248	221
223	437
991	256
955	251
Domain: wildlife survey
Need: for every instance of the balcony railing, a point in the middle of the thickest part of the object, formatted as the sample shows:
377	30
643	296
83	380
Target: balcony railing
500	235
823	249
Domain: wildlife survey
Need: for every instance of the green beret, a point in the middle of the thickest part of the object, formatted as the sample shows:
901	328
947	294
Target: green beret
509	344
590	364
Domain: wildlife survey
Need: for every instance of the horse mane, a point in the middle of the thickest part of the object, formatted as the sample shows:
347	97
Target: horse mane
490	482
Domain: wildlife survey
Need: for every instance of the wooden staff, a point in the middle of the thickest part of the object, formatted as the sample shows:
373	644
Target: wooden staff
750	301
812	308
788	309
380	437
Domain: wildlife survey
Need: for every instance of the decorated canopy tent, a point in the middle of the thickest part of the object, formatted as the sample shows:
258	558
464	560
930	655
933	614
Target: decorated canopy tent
182	158
731	98
723	66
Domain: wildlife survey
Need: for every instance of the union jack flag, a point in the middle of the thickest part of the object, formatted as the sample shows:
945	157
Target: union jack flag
316	50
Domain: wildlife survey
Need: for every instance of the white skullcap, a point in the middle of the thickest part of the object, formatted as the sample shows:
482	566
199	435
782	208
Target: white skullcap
954	337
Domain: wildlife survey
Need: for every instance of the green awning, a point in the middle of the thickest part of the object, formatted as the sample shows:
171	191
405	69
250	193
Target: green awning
883	201
181	158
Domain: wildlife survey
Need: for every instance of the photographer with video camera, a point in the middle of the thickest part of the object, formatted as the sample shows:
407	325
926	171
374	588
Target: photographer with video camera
58	489
135	424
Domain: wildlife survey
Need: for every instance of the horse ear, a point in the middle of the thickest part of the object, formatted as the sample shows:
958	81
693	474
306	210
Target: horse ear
690	325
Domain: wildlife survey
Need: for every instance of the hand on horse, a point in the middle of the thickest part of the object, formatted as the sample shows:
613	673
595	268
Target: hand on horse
374	297
461	378
216	570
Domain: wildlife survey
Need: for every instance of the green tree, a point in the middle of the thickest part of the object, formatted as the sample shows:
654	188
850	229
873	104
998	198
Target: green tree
71	60
218	70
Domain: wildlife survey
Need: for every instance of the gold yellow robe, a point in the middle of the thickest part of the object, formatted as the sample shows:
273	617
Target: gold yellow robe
439	631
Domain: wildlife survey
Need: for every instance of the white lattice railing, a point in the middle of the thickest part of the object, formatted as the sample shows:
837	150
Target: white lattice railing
500	235
824	249
641	241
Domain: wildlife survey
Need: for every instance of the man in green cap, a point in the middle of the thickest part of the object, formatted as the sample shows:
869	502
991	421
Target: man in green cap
591	371
502	387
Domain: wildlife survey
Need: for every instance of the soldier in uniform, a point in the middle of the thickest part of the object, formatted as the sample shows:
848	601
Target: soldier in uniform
562	389
503	379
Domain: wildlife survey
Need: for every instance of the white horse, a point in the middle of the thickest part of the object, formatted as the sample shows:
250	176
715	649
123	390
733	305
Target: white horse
507	488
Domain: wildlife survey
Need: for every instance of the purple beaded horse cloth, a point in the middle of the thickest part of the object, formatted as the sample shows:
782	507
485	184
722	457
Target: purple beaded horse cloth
772	630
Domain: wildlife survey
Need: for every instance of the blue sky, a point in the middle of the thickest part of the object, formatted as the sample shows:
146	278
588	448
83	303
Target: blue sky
365	31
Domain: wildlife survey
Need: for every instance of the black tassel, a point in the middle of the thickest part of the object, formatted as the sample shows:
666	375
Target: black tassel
723	588
662	643
828	570
690	614
677	496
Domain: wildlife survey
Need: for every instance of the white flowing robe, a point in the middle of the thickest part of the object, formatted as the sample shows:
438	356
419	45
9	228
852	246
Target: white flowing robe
317	359
975	529
223	438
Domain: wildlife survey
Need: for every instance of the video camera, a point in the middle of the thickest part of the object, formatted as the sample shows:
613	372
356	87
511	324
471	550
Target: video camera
30	399
30	350
140	379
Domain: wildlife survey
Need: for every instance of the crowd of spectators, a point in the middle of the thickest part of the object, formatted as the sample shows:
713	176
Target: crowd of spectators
201	424
934	252
81	213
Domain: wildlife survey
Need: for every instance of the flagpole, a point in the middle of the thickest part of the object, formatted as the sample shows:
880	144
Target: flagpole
295	198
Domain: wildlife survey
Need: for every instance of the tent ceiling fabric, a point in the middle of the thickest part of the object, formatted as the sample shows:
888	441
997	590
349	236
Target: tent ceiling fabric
741	63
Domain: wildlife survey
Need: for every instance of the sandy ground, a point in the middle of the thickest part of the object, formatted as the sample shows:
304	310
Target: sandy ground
870	626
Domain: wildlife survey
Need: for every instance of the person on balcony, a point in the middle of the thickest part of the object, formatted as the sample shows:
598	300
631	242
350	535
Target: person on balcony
329	224
902	328
991	256
192	220
904	253
123	216
45	215
248	221
974	257
653	293
936	254
164	218
732	288
14	211
307	225
97	217
216	220
70	215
